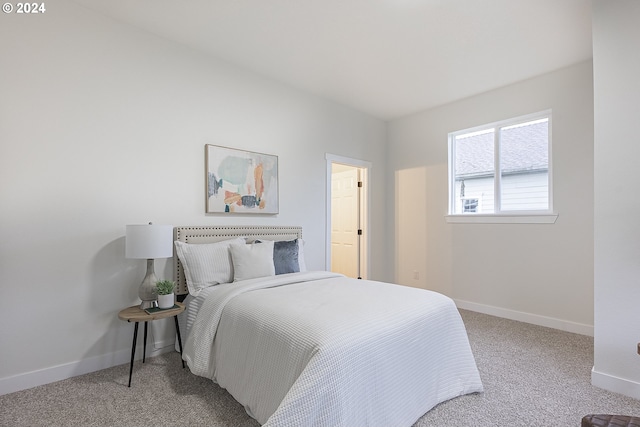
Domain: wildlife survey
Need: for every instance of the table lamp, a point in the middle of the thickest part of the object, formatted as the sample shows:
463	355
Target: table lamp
148	241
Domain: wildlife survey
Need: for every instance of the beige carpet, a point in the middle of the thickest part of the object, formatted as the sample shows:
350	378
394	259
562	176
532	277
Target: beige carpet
533	376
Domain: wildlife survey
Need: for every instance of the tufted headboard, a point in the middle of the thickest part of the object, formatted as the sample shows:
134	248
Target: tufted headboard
212	234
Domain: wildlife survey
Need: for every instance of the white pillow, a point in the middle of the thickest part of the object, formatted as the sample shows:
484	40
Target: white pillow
206	264
253	260
301	261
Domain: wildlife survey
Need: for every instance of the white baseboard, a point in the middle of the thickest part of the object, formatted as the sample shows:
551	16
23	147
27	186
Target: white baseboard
96	363
81	367
615	384
535	319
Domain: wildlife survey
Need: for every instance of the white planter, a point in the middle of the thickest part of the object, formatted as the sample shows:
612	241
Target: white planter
166	301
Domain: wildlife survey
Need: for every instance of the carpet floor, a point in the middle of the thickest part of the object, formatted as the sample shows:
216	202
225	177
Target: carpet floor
533	376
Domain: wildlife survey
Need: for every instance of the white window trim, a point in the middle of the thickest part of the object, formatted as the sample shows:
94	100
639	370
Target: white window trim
548	216
519	218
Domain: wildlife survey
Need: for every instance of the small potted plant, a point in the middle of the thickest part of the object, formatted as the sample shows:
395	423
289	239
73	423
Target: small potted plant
164	290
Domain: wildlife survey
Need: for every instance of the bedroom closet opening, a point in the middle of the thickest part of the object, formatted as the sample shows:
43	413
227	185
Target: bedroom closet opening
347	218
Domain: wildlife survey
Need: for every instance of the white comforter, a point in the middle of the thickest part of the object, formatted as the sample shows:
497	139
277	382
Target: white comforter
326	350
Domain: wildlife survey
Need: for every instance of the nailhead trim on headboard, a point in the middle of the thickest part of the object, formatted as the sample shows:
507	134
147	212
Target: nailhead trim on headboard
212	234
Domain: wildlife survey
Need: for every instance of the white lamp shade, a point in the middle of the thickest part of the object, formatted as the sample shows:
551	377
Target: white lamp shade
149	241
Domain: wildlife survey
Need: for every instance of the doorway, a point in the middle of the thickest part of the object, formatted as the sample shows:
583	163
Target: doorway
347	216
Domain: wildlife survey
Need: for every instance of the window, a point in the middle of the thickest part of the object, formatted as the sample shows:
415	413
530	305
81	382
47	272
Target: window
502	168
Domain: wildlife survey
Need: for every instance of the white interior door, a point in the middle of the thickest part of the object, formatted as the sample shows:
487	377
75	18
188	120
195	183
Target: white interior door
345	214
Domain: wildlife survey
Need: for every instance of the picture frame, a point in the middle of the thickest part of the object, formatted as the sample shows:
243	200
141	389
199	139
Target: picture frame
240	181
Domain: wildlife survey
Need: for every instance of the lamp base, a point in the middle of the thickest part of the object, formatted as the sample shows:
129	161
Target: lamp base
146	291
148	304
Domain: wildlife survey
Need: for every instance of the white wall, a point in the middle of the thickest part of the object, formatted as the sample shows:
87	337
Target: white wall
103	125
540	273
616	64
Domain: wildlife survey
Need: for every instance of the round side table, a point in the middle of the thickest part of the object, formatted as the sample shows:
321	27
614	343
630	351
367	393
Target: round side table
136	314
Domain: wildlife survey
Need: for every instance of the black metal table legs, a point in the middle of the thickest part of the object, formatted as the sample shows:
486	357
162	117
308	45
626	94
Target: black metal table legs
133	350
144	348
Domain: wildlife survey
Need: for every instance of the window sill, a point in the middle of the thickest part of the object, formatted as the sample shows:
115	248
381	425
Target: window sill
503	219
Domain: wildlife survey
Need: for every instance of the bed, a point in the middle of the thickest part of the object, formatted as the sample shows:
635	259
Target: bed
314	348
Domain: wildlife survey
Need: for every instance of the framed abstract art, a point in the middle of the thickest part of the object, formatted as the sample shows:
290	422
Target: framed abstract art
240	181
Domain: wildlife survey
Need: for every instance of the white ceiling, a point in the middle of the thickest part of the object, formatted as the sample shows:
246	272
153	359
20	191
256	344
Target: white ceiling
388	58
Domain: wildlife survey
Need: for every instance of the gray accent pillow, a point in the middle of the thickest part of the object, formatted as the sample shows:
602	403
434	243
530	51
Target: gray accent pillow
285	256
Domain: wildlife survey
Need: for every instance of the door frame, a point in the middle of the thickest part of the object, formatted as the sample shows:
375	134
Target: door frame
364	205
